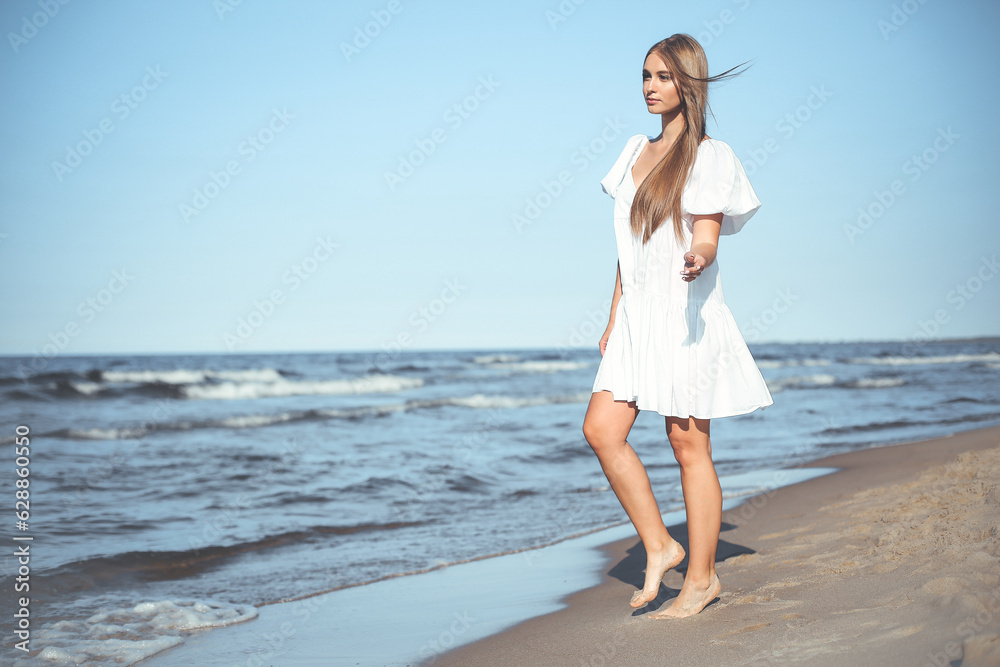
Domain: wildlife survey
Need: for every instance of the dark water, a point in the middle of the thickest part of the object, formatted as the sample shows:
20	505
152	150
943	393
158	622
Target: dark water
237	480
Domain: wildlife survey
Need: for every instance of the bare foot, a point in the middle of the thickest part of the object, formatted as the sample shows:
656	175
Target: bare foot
691	600
657	564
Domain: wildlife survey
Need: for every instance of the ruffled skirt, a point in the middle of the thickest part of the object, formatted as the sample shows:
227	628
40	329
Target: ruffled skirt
680	358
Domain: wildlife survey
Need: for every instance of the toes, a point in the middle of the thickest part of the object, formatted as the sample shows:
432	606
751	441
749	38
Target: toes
639	598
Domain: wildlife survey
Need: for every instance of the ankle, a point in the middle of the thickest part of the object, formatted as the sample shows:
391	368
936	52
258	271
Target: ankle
700	580
660	546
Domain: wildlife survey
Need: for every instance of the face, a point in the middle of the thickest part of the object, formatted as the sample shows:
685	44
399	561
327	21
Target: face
658	86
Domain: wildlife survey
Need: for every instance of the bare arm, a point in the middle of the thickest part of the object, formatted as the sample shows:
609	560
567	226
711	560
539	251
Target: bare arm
617	295
603	344
704	245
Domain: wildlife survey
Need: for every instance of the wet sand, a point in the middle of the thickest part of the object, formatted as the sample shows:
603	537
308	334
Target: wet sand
892	560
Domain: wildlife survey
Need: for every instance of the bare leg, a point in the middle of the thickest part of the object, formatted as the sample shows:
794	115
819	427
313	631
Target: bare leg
606	426
703	503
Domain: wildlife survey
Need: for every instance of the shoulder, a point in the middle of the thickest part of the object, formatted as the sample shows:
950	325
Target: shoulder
715	147
715	155
615	176
633	141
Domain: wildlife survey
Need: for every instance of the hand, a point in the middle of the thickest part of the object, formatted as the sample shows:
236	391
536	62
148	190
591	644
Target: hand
694	264
604	339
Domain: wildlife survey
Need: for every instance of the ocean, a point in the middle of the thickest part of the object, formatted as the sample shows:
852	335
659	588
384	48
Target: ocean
175	492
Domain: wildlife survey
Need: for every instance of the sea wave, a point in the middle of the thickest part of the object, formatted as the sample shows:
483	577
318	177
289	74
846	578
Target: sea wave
475	401
367	384
801	382
539	366
495	358
819	380
197	376
156	565
206	385
875	383
940	359
913	423
783	363
129	635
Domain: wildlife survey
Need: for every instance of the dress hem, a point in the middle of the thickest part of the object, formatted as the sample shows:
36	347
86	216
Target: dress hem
741	411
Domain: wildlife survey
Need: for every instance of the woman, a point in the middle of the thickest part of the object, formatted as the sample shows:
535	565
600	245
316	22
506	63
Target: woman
672	344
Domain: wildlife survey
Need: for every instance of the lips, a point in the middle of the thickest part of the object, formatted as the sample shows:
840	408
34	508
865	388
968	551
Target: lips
652	99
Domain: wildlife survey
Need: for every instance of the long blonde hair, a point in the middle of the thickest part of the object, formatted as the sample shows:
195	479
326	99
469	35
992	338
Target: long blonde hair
659	195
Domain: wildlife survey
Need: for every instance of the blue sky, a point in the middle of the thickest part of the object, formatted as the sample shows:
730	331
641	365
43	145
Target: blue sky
200	176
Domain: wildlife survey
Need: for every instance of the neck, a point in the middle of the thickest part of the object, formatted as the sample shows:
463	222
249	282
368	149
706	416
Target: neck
673	126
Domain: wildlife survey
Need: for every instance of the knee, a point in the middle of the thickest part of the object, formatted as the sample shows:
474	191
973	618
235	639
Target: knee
690	451
596	434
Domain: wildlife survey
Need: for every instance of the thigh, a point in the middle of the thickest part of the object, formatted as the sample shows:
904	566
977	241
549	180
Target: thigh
687	430
607	418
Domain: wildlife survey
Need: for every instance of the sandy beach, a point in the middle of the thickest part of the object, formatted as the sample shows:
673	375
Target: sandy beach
892	560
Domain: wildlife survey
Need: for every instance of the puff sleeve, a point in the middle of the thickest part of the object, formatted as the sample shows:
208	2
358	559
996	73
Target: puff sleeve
718	184
614	177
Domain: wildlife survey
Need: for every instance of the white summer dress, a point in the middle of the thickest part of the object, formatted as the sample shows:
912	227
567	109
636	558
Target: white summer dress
675	347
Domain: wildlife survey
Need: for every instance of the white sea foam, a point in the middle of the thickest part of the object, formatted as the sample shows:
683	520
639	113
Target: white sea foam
182	376
123	433
877	383
801	382
87	388
782	363
126	636
495	358
942	359
541	366
369	384
483	401
475	401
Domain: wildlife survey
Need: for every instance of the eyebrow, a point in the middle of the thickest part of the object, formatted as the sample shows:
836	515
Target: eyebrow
662	71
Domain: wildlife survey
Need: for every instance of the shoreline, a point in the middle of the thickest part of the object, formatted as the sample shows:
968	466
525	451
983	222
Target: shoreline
520	585
566	603
892	559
